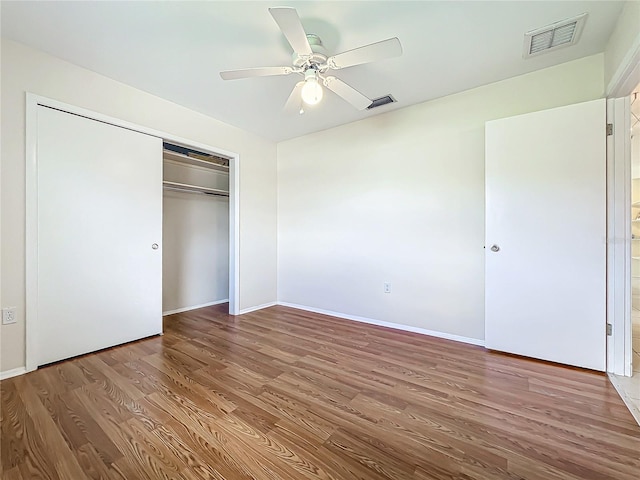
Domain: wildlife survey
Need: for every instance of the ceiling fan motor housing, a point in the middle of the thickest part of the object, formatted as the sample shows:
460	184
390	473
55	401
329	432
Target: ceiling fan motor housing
319	56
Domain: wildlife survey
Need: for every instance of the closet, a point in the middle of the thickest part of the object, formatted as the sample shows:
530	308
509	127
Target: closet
195	229
122	227
99	237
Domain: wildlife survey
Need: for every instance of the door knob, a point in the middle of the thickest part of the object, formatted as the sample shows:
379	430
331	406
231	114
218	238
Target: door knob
495	248
154	246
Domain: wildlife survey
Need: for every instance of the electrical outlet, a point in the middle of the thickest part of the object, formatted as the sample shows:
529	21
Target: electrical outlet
8	315
387	287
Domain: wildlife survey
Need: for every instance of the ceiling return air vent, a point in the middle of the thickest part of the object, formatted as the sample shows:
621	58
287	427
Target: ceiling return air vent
378	102
557	35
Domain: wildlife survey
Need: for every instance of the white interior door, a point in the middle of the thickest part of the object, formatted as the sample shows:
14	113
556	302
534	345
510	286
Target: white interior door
545	293
99	216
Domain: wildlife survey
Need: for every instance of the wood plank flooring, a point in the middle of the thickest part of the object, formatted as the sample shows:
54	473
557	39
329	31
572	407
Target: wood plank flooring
286	394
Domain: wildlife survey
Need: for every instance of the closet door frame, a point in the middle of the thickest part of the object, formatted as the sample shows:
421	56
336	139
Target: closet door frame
31	198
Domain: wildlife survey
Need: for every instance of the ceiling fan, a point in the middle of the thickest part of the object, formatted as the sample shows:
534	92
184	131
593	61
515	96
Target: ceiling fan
310	61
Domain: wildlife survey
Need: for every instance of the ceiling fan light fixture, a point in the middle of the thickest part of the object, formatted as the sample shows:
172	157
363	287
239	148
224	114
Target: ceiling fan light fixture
310	60
312	90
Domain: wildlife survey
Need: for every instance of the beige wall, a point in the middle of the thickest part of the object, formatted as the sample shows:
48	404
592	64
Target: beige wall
25	69
399	198
623	43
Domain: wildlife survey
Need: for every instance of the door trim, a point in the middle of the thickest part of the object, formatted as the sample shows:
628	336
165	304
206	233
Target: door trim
624	80
619	237
31	200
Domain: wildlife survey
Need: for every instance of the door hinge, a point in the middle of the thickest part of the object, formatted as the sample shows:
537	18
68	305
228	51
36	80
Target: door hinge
609	329
609	129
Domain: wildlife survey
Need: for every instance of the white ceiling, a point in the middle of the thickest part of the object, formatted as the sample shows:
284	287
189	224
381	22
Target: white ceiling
176	49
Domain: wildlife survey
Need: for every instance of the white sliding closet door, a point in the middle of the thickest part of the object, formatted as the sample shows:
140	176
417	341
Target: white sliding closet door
99	216
545	293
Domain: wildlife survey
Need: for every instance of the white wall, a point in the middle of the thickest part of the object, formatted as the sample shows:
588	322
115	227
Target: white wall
25	69
195	239
623	45
399	197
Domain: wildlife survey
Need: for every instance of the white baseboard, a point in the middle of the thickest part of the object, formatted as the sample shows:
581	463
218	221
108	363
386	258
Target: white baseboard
186	309
258	307
12	373
396	326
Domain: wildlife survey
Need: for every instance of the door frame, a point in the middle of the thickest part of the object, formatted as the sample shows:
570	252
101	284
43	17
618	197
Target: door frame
619	260
31	198
619	237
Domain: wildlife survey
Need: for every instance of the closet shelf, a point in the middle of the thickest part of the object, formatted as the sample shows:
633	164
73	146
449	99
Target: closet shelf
635	204
178	157
185	187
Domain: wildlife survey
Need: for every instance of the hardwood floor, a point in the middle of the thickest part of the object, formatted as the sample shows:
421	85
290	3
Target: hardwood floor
286	394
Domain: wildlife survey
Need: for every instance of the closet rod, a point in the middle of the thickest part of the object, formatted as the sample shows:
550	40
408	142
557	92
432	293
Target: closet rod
185	190
183	187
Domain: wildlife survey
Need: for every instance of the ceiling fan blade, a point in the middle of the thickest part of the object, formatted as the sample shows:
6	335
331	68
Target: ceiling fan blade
369	53
295	99
347	92
255	72
289	22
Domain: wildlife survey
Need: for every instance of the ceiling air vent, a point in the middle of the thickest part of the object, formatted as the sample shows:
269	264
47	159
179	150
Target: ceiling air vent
554	36
378	102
